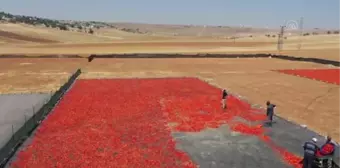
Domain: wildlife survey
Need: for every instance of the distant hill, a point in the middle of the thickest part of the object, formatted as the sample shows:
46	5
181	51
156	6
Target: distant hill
155	29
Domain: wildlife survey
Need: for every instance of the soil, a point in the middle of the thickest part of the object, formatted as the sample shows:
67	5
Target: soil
24	38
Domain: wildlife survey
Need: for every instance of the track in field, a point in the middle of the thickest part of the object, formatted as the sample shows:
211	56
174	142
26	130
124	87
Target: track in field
325	75
130	122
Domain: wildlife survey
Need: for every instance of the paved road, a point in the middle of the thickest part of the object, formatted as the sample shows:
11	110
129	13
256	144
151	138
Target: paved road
13	109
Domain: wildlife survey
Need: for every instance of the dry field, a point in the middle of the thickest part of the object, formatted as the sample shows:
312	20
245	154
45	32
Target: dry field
29	40
35	75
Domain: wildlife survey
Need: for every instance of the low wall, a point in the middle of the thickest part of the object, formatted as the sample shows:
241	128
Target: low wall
7	151
95	56
284	57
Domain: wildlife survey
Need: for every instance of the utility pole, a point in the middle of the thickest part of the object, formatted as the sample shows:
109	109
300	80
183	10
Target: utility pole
301	33
280	39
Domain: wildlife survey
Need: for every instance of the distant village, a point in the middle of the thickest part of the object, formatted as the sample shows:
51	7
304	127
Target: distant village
65	25
91	26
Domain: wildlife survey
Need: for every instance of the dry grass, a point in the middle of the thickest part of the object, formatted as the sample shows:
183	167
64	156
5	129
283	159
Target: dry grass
35	75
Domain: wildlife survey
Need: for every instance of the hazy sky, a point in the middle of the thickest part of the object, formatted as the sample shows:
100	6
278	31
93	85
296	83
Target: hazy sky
256	13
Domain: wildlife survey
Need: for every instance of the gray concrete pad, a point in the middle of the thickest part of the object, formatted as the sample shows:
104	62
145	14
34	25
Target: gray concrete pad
221	148
292	136
14	108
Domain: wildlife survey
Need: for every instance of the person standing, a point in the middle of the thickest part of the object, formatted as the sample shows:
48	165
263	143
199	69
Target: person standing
224	99
270	112
310	148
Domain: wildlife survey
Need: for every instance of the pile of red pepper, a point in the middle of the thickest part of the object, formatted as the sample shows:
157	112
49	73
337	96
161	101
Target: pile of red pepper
325	75
124	123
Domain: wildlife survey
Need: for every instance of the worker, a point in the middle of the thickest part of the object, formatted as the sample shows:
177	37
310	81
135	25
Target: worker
270	112
310	149
224	99
328	148
324	156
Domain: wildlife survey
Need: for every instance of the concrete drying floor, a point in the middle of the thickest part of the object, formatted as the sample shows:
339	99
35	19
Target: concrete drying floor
14	108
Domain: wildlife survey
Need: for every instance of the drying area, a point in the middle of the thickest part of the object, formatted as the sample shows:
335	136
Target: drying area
299	100
102	123
15	110
325	75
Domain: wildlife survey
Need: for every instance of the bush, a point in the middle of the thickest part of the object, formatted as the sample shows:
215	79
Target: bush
336	32
91	31
329	32
306	34
63	27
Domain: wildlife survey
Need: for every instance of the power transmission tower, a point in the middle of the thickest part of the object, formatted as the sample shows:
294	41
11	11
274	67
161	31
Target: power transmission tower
301	33
280	39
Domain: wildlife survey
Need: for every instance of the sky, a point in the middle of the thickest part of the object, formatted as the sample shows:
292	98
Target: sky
252	13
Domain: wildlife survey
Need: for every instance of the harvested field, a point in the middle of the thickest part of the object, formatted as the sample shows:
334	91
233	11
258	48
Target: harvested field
160	44
15	109
35	75
10	35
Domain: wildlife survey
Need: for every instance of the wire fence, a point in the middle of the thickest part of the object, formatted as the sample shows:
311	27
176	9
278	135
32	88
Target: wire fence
22	128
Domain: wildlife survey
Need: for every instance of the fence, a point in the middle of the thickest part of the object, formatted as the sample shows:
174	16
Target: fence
19	137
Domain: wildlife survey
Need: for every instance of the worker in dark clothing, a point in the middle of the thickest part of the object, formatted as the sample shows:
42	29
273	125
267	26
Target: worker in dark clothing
224	99
324	156
328	148
270	112
310	149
